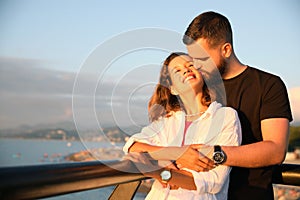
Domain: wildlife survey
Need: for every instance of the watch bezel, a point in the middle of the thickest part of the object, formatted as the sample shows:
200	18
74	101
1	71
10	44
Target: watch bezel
165	176
219	156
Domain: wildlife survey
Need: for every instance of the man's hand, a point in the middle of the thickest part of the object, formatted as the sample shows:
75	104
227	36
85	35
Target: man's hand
192	159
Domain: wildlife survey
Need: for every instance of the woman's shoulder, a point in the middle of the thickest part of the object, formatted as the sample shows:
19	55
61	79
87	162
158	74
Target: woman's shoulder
226	109
229	109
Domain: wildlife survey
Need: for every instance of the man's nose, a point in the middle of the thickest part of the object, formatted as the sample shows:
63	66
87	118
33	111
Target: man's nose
197	64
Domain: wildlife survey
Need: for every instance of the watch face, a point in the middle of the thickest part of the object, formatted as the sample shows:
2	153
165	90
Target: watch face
165	175
218	157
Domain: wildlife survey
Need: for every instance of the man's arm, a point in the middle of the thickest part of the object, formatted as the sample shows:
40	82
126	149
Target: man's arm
188	155
270	151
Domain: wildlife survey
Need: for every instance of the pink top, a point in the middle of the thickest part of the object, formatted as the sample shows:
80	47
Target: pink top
187	125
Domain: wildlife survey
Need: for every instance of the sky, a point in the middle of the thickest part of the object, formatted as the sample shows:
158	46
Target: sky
46	48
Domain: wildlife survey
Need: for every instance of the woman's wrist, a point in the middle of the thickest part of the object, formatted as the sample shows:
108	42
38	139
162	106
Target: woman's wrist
167	153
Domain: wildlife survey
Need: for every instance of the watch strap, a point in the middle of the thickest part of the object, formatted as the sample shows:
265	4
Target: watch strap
217	148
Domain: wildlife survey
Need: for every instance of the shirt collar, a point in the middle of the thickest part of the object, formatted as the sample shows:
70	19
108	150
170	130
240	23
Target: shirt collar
212	108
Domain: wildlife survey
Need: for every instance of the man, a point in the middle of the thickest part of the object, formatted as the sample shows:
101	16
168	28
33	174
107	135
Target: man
262	103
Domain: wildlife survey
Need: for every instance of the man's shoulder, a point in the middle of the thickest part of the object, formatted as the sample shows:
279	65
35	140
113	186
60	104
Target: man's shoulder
263	78
252	75
261	73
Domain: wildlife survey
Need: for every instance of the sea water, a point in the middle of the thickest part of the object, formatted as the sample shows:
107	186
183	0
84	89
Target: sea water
21	152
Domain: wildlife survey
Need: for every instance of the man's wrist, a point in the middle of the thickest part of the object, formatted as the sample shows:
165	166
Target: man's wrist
219	156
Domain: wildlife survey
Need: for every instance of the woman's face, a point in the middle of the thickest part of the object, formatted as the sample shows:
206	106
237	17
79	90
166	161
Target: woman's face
184	76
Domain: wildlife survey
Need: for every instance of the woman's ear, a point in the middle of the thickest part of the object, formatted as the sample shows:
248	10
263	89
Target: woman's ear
226	50
173	91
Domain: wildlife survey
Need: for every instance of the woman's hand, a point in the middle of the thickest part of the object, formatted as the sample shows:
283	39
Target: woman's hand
192	159
145	165
143	162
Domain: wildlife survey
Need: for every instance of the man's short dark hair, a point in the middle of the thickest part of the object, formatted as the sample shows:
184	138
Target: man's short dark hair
210	25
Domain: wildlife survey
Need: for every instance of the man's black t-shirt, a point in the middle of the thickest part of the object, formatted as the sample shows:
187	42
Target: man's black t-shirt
256	95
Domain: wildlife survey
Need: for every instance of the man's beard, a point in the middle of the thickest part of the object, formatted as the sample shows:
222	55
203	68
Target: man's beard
215	82
222	66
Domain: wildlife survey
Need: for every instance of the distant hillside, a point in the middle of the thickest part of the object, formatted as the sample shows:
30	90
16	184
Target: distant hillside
67	131
295	124
54	134
294	140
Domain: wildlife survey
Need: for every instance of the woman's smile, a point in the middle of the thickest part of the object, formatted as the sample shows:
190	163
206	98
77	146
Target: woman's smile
188	77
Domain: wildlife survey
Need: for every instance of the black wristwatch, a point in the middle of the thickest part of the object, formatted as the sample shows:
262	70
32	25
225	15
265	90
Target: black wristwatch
219	156
165	176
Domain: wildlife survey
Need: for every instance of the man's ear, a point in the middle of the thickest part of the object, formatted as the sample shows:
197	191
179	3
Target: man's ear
173	91
226	50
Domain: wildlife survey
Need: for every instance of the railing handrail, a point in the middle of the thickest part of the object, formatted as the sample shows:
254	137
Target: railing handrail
28	182
290	174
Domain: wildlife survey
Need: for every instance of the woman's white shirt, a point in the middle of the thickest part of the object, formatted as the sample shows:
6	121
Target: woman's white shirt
217	126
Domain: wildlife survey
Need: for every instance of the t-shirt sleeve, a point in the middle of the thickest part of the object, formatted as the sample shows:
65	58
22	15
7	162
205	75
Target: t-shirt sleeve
275	101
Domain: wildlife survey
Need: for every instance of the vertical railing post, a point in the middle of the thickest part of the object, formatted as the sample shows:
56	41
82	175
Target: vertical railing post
125	191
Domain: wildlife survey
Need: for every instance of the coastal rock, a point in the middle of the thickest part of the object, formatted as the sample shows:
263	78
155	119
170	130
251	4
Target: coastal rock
96	154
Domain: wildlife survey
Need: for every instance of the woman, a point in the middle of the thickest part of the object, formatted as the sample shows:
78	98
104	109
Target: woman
183	113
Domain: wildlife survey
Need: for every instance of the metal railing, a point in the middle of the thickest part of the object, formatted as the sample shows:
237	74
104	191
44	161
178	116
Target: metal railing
31	182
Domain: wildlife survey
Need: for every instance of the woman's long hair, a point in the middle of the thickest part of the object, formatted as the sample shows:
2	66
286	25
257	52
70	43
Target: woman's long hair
163	101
